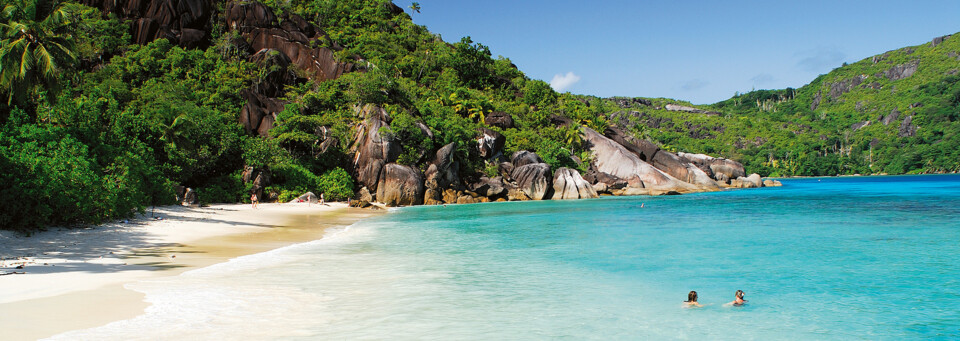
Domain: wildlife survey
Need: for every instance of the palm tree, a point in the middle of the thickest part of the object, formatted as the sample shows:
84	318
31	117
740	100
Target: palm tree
35	46
415	7
174	134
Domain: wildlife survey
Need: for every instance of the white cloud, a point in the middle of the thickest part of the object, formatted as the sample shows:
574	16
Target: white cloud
561	83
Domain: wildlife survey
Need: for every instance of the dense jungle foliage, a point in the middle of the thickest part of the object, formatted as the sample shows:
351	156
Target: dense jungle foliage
94	127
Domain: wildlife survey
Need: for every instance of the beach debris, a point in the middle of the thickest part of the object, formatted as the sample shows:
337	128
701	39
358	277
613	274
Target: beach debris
12	273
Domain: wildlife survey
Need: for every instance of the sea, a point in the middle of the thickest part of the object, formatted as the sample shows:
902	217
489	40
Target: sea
839	258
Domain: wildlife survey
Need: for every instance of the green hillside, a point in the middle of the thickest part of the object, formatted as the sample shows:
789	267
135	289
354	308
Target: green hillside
107	110
893	113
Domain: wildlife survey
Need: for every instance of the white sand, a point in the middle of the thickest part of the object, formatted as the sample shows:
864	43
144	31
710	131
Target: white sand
73	278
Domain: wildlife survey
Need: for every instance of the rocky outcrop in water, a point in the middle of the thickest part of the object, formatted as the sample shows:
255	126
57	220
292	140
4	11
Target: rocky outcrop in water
614	159
530	175
722	169
663	160
568	184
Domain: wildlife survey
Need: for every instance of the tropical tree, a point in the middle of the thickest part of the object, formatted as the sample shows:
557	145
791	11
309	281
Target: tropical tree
35	46
415	7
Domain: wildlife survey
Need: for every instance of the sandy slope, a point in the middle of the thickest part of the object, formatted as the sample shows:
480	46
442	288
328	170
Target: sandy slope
73	278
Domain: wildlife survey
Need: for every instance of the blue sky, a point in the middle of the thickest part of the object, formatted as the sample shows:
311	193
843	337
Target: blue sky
701	51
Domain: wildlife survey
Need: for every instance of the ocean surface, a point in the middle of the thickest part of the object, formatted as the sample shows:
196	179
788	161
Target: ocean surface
855	258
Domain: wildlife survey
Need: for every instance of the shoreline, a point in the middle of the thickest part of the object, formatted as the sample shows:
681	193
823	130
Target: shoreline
74	278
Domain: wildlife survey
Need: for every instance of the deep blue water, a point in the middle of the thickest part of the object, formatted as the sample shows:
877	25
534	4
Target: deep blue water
831	258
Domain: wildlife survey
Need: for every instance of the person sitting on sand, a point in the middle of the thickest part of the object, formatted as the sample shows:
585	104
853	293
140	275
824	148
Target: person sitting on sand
691	301
739	301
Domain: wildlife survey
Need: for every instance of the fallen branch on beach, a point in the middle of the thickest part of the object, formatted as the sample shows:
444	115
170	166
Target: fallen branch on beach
12	273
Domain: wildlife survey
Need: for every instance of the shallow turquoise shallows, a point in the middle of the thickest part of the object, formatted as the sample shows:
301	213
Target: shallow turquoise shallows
833	258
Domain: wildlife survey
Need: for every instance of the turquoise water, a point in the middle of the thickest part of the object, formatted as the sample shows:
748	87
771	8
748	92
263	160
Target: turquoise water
833	258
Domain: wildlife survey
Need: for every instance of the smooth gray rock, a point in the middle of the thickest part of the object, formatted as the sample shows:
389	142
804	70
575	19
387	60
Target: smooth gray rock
568	184
533	179
731	169
612	158
755	180
665	161
523	157
489	187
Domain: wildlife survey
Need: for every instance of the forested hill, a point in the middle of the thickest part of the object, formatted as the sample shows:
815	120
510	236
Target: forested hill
112	105
892	113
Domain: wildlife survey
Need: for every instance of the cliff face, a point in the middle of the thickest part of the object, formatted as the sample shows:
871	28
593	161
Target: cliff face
186	22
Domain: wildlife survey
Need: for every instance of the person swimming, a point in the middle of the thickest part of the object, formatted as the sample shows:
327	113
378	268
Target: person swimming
691	301
739	301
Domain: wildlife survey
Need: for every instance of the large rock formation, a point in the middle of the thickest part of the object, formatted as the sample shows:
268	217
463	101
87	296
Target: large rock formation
721	168
442	174
291	36
568	184
400	186
663	160
612	158
259	113
490	143
183	22
489	187
525	177
533	179
275	69
372	151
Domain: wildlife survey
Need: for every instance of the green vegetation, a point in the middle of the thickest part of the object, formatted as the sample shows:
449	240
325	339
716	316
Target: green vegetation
94	127
782	132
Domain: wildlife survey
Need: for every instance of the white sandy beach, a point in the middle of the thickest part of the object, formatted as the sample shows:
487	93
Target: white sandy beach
67	279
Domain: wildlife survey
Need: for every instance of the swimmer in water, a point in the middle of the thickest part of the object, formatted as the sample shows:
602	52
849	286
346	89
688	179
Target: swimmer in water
739	301
691	301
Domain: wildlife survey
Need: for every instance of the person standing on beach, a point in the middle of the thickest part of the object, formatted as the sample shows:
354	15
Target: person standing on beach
321	198
691	301
253	200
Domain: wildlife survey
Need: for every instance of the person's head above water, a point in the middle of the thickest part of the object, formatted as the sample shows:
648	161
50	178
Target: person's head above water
692	296
739	294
